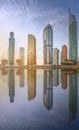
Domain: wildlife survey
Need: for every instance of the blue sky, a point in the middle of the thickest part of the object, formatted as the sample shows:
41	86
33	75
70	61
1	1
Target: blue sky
31	16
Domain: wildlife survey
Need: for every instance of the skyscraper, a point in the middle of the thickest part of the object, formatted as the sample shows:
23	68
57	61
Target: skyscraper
55	56
31	52
64	53
11	48
48	44
73	42
22	54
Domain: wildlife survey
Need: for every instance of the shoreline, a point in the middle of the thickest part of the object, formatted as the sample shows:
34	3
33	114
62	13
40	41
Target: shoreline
41	67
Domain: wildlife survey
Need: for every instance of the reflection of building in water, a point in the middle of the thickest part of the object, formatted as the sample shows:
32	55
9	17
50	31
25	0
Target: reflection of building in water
55	77
64	80
4	72
11	83
20	72
72	96
21	78
48	90
31	81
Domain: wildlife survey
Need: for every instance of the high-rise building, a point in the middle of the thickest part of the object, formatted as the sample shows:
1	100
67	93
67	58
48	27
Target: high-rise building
11	49
64	53
55	56
48	89
73	40
31	52
22	54
48	44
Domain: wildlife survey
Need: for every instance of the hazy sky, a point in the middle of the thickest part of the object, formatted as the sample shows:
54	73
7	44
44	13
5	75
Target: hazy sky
31	16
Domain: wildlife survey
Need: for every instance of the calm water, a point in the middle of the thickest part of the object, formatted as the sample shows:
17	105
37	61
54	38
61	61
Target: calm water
38	100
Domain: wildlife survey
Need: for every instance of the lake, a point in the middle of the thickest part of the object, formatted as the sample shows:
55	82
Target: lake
39	99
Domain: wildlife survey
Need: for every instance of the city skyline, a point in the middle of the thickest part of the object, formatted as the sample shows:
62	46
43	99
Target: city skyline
33	20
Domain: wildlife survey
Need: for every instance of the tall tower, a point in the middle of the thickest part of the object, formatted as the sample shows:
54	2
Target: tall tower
48	44
31	52
73	41
64	53
55	56
22	54
11	48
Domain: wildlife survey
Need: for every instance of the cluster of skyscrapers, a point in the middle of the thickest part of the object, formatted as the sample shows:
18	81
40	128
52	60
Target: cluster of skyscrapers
50	54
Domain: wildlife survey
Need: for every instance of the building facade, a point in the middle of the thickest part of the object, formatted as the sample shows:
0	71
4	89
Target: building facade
64	54
31	52
55	56
48	44
11	49
73	40
22	54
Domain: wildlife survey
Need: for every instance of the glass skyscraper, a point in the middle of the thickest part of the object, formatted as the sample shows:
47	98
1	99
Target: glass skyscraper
11	48
48	44
73	42
22	55
31	51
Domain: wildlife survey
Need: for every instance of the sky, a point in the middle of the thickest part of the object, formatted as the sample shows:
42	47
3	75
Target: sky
25	17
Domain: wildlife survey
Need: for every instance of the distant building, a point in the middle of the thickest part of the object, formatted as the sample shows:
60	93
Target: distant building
64	53
19	62
55	56
73	38
31	52
48	44
22	55
4	61
11	49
